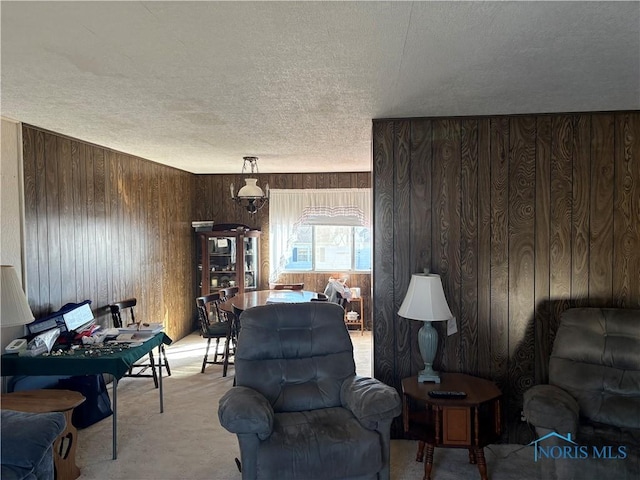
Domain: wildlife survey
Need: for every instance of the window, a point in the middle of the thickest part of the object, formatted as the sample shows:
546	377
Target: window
330	248
319	230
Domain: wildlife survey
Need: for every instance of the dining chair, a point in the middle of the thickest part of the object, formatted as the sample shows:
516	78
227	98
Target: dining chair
227	293
123	315
213	326
231	317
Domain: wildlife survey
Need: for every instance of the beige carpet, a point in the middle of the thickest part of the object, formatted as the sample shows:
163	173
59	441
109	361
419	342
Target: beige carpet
187	442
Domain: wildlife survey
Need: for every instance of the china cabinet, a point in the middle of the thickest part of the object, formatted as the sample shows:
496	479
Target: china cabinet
228	258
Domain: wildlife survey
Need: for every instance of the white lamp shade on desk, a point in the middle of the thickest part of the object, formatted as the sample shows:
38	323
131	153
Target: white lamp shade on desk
14	309
425	300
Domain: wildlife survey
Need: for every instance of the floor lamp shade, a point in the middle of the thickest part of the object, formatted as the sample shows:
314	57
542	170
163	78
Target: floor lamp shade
14	309
425	301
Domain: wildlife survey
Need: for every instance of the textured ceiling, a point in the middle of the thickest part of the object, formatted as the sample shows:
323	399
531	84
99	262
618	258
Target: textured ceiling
198	85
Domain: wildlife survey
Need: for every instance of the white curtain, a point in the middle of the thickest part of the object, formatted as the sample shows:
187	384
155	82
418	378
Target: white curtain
289	209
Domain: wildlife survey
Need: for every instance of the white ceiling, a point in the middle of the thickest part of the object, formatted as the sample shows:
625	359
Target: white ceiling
198	85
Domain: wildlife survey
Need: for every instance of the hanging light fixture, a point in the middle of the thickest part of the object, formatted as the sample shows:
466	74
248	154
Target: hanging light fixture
251	196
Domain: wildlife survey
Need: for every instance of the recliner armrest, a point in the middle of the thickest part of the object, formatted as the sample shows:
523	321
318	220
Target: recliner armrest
548	406
26	440
243	410
370	400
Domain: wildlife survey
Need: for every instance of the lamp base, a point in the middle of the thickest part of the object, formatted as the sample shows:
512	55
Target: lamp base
428	344
428	375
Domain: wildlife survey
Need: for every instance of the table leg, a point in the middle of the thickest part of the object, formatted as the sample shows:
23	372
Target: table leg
64	457
160	377
472	456
428	464
114	433
420	452
482	464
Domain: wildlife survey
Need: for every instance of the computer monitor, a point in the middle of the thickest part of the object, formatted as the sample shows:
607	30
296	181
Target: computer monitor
78	317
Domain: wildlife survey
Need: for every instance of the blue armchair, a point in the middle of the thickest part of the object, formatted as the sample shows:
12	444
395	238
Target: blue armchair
298	408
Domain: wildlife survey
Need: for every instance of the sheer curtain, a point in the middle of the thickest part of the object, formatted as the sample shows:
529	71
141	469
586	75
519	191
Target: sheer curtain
290	209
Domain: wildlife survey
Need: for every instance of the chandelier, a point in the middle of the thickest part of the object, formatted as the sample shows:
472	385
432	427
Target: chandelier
251	196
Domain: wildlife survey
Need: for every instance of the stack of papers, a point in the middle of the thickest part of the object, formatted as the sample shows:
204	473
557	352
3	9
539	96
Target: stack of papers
139	332
150	328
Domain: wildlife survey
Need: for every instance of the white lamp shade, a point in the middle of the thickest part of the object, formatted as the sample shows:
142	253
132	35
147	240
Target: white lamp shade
425	300
14	309
251	189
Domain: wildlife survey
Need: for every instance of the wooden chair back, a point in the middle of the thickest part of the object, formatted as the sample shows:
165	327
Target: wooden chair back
117	310
207	307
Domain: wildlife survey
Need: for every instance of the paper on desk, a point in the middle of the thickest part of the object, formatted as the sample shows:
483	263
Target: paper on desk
142	327
132	337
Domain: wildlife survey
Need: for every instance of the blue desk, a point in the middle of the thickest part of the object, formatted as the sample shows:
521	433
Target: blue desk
82	362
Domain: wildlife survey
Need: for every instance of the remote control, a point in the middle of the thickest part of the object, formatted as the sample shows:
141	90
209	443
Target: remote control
445	394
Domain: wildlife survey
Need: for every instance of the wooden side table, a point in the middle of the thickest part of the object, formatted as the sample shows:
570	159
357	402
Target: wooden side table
360	321
470	422
50	400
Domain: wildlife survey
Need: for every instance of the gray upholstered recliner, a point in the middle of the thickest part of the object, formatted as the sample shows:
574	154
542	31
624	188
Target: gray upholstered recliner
298	408
593	392
27	444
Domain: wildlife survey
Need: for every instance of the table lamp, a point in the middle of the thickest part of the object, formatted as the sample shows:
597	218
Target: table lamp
425	301
14	309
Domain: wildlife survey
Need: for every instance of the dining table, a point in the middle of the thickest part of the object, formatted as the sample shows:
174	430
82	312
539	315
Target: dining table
246	300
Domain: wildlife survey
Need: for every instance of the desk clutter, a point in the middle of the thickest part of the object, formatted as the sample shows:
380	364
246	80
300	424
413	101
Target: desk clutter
74	327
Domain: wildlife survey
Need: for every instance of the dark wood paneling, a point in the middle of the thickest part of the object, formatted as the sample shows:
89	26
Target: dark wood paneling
468	319
29	139
580	210
420	216
499	252
525	217
484	249
53	219
42	242
403	240
384	314
522	185
560	217
601	209
99	228
541	249
626	219
446	227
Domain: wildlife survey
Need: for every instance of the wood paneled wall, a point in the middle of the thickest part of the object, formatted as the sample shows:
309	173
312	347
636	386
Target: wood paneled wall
523	217
213	202
105	226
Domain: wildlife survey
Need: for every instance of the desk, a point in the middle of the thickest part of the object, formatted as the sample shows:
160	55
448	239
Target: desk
247	300
50	400
83	363
470	422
